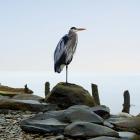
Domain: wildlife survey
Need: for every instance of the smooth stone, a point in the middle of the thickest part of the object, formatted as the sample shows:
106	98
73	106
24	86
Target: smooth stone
127	135
30	105
82	113
86	129
2	120
66	95
59	115
27	97
108	124
102	110
106	138
43	126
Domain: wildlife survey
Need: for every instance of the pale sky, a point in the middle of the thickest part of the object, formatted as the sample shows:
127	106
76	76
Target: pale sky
31	29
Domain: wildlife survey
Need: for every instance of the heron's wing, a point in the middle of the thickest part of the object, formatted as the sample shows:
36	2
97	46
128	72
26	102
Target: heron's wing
61	48
60	51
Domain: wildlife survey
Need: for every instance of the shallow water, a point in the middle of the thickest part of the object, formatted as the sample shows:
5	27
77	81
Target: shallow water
111	86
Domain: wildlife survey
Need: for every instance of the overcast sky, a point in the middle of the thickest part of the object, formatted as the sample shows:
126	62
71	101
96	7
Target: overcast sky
31	29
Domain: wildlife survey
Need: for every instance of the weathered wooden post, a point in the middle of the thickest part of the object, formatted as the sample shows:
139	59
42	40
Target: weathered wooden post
95	93
126	105
47	88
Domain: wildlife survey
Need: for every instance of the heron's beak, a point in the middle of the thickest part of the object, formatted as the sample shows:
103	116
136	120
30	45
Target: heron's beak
80	29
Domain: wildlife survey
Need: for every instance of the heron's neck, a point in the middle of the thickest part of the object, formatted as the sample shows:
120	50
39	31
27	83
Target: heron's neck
71	34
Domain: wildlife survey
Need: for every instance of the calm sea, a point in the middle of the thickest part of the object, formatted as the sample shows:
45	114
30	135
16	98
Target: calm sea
111	87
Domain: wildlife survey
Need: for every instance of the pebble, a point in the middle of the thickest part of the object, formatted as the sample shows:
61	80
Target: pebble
10	129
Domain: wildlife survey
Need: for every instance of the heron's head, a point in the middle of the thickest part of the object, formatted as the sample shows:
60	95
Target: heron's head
74	29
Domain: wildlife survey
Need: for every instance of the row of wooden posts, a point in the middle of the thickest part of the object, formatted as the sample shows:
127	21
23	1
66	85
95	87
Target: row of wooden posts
95	94
126	95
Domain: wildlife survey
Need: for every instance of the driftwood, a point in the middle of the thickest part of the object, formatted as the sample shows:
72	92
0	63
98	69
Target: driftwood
126	105
95	93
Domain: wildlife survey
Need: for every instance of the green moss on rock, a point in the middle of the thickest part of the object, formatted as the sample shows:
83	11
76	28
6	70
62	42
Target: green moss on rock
66	95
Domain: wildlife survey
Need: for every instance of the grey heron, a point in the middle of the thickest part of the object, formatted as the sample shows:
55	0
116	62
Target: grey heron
65	50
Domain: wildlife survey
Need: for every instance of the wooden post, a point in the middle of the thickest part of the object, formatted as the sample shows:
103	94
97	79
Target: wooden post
126	105
95	93
47	88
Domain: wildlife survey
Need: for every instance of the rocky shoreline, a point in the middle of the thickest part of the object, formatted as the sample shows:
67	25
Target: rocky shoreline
10	127
68	112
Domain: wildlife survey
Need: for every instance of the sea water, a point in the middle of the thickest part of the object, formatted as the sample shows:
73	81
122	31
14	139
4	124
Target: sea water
110	86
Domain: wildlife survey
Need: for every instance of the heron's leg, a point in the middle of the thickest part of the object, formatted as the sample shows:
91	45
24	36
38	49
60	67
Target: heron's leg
66	74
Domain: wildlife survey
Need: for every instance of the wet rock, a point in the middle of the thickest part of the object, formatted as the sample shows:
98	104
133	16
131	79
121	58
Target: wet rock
27	97
105	138
86	129
82	113
66	95
30	105
43	126
102	110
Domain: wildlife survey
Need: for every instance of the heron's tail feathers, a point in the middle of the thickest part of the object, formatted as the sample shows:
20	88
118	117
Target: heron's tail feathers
58	68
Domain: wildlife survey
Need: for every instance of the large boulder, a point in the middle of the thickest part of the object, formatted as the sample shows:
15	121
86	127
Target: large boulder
66	95
30	105
86	129
82	113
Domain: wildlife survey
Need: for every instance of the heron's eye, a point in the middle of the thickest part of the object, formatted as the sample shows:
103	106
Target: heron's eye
74	28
